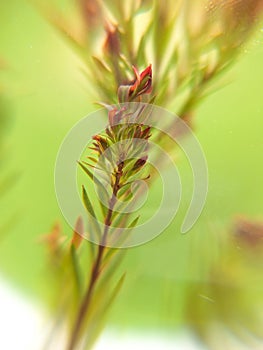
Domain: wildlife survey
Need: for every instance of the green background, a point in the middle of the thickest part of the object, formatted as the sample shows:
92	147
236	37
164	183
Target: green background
47	95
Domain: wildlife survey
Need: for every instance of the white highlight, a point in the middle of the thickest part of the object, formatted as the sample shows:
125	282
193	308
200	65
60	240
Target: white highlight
23	326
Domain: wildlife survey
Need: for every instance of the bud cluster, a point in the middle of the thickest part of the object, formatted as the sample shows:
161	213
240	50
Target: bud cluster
121	150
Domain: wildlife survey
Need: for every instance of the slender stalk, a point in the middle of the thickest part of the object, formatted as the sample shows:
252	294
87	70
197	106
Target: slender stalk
95	272
142	85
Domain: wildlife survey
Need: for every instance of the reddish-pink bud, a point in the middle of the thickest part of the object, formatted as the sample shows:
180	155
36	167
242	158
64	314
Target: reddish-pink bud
140	163
143	82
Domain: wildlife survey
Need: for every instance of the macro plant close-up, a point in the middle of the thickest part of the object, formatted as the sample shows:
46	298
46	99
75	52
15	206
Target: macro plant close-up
132	215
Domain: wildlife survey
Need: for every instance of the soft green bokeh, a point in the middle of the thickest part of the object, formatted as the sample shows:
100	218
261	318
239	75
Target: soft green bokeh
48	95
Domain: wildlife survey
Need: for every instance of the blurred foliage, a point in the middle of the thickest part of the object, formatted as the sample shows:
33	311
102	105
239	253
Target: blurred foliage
3	119
6	178
230	298
52	95
189	43
69	264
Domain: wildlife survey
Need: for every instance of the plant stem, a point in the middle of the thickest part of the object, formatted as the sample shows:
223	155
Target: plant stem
95	272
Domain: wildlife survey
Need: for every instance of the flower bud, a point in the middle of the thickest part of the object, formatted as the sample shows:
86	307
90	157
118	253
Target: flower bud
143	82
140	163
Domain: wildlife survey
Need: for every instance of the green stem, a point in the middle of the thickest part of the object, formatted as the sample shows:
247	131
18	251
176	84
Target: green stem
95	272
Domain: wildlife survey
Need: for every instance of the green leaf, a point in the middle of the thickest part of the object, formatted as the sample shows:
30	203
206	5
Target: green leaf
76	269
55	18
116	290
101	65
88	206
97	322
141	52
102	192
87	202
134	222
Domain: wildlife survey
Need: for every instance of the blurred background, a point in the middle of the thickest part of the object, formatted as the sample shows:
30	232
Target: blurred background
44	93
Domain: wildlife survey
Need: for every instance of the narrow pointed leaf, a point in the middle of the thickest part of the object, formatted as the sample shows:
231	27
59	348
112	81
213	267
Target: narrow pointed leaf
88	206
